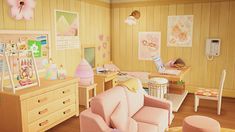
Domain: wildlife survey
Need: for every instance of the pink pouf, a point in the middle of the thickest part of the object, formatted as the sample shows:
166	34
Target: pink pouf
200	124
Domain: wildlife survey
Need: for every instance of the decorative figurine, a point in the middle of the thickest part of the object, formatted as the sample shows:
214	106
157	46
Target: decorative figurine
61	73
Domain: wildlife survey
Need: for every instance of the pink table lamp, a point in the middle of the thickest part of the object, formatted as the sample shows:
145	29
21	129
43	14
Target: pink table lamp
85	72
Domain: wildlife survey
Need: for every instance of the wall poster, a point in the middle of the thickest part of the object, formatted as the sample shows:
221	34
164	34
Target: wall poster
67	30
149	45
180	31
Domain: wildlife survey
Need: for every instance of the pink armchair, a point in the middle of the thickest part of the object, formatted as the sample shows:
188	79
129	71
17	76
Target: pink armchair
137	111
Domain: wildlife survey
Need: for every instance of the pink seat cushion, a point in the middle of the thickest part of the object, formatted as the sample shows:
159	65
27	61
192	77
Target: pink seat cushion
121	121
145	127
105	103
207	92
200	124
135	101
152	115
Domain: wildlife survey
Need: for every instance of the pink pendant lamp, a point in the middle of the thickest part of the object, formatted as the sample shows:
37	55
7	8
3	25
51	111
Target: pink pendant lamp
85	72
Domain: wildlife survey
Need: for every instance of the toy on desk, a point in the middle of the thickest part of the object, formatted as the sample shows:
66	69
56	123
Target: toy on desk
85	72
25	71
176	63
179	63
51	70
26	68
158	62
111	67
61	73
11	47
22	45
102	70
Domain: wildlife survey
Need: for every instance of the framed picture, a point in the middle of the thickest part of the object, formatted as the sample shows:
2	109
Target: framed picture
67	30
89	55
149	45
180	31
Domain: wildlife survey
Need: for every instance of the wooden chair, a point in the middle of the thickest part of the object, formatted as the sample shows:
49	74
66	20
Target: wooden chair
211	94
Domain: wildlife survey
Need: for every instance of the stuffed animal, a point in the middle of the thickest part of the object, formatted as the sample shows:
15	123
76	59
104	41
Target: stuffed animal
176	63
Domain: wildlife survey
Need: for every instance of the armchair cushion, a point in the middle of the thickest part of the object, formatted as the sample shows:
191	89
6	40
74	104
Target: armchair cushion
134	101
145	127
153	115
121	121
88	119
105	103
157	103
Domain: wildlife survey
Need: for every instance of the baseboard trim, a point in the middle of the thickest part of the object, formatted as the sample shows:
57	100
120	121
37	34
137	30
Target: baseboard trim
226	92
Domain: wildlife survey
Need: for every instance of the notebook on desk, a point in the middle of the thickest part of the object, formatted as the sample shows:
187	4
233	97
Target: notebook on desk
171	72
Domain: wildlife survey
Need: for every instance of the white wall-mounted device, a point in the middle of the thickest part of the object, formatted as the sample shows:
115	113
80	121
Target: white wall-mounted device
212	48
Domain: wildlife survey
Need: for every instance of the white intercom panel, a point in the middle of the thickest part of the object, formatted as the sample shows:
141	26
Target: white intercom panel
212	48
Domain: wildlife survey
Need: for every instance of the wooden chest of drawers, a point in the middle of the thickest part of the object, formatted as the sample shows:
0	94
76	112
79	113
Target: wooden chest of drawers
39	108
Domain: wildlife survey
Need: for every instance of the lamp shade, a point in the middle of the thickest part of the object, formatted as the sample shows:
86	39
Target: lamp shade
85	72
130	20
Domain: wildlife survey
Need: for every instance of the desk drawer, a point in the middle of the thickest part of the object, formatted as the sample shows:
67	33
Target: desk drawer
115	82
45	110
40	100
110	78
62	92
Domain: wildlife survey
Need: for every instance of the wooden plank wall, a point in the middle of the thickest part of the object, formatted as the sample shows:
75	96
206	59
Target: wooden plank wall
94	17
211	19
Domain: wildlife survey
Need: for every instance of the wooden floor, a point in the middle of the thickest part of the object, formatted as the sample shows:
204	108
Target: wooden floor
206	108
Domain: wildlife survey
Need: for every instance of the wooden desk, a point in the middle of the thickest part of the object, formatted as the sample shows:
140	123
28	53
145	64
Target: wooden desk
105	81
176	99
171	77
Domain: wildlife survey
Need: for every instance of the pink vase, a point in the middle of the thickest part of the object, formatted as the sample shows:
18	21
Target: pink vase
85	72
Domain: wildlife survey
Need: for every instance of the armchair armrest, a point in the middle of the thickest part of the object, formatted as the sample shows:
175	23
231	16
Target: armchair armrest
90	122
164	104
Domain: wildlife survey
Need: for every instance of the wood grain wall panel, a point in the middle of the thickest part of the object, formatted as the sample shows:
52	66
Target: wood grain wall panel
188	10
9	23
164	12
129	43
196	38
1	15
231	50
94	19
115	35
212	19
135	46
122	37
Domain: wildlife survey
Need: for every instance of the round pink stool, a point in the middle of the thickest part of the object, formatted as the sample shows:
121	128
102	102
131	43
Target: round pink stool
200	124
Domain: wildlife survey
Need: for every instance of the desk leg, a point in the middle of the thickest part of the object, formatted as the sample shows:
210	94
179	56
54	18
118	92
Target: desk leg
100	85
87	98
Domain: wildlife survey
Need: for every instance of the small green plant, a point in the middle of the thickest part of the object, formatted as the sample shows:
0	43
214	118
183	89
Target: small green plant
181	82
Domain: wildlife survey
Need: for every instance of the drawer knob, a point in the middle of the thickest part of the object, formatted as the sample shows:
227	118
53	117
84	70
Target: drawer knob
42	100
66	101
66	112
65	91
43	123
43	111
